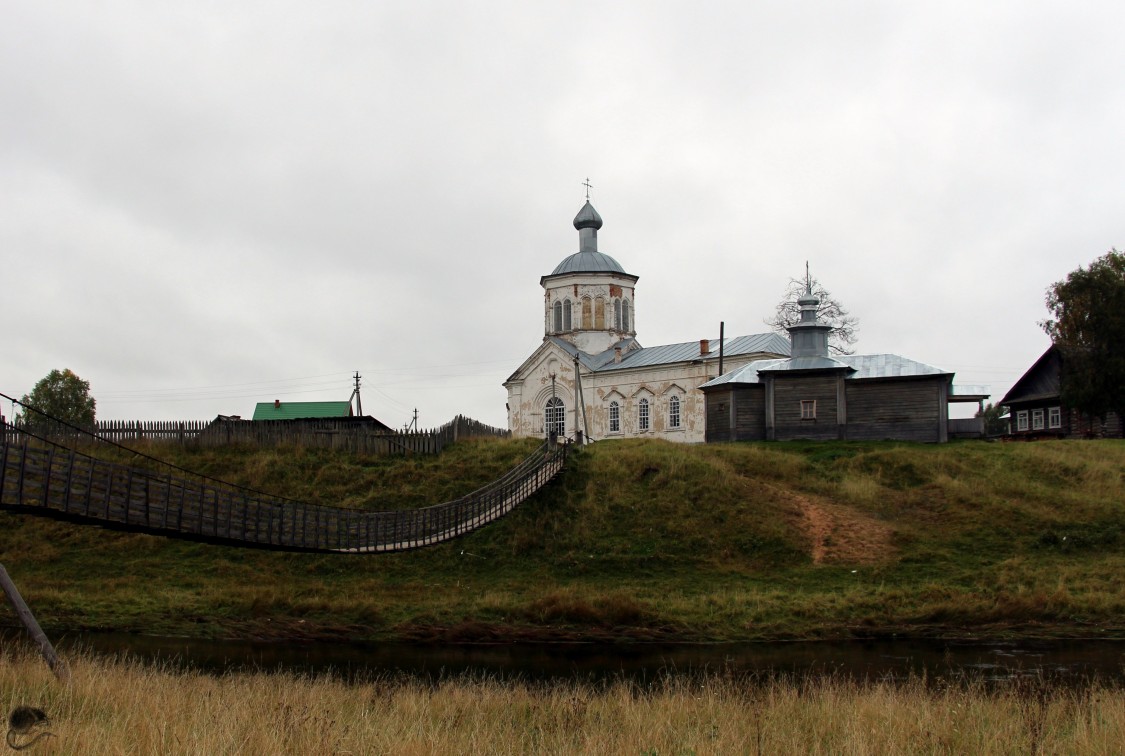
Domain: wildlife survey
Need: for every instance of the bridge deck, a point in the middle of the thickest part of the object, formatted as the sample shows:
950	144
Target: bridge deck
55	481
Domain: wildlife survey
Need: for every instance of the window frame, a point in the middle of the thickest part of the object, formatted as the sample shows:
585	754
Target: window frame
614	417
557	316
1054	417
566	310
808	409
1038	419
675	412
1021	421
644	417
554	416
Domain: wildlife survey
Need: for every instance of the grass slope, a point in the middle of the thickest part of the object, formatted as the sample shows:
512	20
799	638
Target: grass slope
637	540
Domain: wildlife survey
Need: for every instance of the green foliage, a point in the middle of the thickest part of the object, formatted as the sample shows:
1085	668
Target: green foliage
995	424
1088	327
61	395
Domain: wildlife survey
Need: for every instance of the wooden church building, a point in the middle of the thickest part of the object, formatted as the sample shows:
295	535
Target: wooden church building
810	395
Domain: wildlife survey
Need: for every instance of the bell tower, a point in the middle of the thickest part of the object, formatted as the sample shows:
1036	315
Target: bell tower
589	299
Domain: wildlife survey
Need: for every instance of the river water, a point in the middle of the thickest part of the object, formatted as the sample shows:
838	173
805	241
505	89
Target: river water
1062	662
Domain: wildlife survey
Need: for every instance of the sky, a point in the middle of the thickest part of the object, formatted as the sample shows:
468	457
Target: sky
206	205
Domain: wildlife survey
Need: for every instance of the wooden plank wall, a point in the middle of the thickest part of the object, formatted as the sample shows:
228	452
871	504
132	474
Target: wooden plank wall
901	410
788	394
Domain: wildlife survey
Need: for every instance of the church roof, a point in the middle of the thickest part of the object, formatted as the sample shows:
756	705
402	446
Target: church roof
864	365
635	356
588	262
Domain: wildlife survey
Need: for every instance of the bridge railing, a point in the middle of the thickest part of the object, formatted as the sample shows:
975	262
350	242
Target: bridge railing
40	475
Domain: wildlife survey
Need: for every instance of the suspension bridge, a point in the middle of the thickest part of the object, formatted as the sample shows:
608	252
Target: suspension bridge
45	477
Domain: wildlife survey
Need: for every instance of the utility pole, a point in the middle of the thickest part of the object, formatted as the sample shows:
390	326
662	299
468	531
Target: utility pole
356	396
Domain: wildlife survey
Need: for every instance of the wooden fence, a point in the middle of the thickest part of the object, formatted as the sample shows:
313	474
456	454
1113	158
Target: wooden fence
50	479
345	434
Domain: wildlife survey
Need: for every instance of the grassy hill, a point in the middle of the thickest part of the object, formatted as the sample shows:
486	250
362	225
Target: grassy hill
637	540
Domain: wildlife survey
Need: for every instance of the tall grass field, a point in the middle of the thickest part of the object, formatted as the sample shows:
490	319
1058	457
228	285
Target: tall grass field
121	706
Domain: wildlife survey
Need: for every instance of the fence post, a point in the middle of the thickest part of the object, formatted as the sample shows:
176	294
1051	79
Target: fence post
57	665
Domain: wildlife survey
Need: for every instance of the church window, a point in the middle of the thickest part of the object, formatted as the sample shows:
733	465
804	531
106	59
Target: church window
558	308
617	314
599	314
587	313
566	315
674	412
555	416
642	415
625	316
614	417
808	409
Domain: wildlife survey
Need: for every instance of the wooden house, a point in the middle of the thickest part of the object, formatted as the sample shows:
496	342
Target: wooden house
1036	409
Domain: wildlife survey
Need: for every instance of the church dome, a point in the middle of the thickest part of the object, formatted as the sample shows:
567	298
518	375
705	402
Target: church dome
587	217
588	262
588	259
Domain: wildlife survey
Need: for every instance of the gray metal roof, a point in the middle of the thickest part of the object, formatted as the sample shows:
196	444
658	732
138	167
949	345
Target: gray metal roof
588	262
865	366
757	343
633	355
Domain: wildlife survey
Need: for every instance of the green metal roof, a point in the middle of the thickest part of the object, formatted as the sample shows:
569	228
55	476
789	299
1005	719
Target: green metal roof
301	410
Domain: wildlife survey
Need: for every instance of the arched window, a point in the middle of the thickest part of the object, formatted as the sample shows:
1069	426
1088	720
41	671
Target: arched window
587	313
617	314
566	315
599	314
614	417
558	308
554	415
625	316
642	415
674	412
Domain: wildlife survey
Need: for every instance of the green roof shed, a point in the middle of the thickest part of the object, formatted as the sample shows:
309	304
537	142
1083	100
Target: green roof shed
278	410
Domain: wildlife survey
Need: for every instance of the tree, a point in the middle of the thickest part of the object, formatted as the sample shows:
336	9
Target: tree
1088	328
845	327
63	396
995	423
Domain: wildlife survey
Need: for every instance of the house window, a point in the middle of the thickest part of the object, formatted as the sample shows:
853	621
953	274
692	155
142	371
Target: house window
642	415
1037	419
808	409
1021	420
625	316
1054	417
674	412
558	316
566	315
614	417
555	416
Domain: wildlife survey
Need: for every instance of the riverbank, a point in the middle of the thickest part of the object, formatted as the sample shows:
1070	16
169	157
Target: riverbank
638	541
127	707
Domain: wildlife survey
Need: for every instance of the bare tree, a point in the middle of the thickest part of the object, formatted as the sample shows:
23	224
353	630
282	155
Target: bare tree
845	327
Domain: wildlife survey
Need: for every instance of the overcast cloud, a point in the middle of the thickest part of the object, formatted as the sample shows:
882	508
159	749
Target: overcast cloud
205	205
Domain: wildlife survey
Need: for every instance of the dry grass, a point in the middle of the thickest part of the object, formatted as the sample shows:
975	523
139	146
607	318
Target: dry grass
125	707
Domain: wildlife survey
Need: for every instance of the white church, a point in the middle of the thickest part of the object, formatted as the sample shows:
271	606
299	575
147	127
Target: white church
591	379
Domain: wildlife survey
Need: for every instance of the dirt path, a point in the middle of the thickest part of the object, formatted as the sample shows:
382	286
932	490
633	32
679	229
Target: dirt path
838	534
